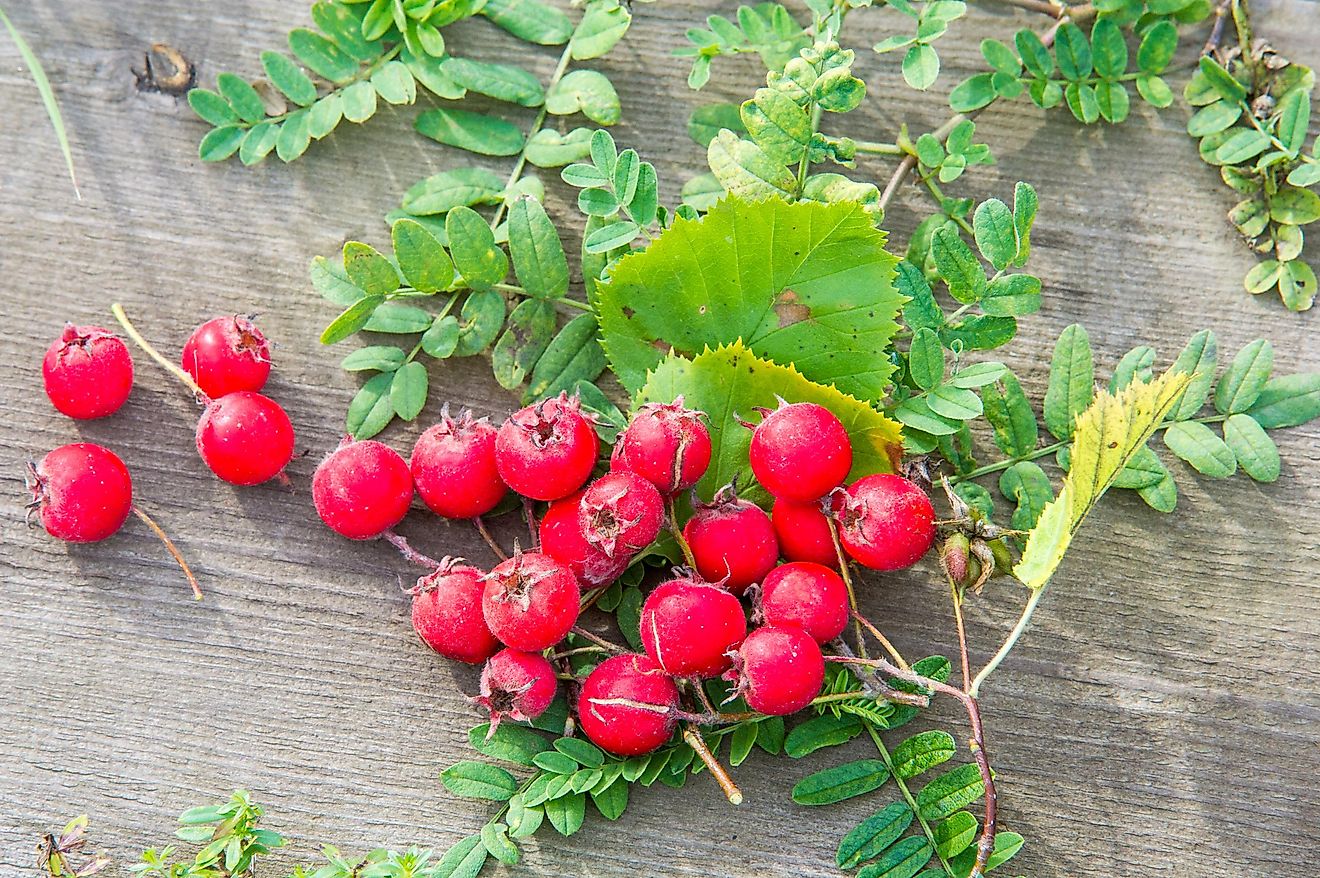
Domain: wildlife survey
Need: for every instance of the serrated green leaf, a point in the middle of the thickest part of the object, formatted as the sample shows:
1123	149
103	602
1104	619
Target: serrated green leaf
1010	415
474	132
922	752
1197	359
874	835
950	792
904	860
827	730
574	355
841	782
926	359
1072	378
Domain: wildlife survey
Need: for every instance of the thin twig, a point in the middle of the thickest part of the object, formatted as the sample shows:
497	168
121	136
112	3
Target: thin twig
717	771
1008	644
671	511
880	637
596	639
147	348
529	511
846	575
962	635
495	547
406	549
171	548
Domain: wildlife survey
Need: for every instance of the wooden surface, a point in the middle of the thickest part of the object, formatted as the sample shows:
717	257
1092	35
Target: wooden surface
1162	716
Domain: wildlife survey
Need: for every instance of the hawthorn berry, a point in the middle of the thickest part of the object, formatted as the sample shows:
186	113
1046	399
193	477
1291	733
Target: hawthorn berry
562	539
689	627
666	444
516	685
530	601
800	451
547	450
88	372
362	489
732	541
627	705
803	532
621	514
245	438
82	493
453	466
226	355
446	613
807	596
778	670
885	522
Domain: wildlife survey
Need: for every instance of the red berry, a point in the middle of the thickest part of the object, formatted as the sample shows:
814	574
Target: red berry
547	450
362	490
81	492
621	514
733	542
803	532
885	522
531	601
807	596
245	438
88	372
666	444
453	465
446	614
689	627
563	540
517	685
227	354
627	705
778	670
800	451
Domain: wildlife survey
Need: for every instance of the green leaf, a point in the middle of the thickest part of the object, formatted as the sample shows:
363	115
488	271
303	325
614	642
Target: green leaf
422	261
440	193
1134	366
483	317
573	355
476	256
394	83
351	319
1221	80
926	359
1007	844
1245	378
1155	91
1197	359
745	170
322	56
611	801
211	107
1297	285
538	254
1010	414
707	120
441	340
611	237
375	358
1108	49
588	92
473	132
369	270
1287	401
220	143
1305	174
955	403
1252	447
1113	100
601	27
778	125
530	20
996	236
950	792
1245	143
1082	102
503	82
1294	118
955	834
1213	117
1157	48
826	730
258	143
1012	295
548	148
463	860
958	265
478	780
874	835
981	332
921	66
1026	484
1073	52
495	838
1025	203
1295	206
371	410
242	97
408	390
903	860
584	753
922	752
841	782
1000	57
1072	378
556	762
567	813
972	93
1035	56
429	71
508	742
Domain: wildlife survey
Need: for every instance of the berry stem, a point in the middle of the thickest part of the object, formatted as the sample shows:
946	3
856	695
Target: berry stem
596	639
409	552
884	641
118	310
1008	644
529	512
479	523
694	740
875	687
847	583
171	548
671	515
962	634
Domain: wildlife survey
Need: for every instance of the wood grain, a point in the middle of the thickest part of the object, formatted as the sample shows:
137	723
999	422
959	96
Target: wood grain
1160	718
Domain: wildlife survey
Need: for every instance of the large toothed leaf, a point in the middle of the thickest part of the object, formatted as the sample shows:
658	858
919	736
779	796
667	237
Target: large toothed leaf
808	284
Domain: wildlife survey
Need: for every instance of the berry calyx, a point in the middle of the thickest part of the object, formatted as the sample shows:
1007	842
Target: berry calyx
530	601
82	492
562	539
627	705
732	541
803	532
88	372
689	627
227	354
885	522
446	613
245	438
807	596
800	451
547	450
621	513
666	444
362	489
516	685
453	466
778	670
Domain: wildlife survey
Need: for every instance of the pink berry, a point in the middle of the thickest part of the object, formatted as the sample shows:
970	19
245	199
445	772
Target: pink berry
516	685
689	627
621	514
446	614
245	438
362	490
562	539
226	355
88	372
453	465
800	451
732	541
885	522
81	492
778	670
547	450
807	596
803	532
666	444
531	601
627	705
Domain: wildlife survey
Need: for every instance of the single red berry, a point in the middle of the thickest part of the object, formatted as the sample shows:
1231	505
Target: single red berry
627	705
516	685
88	372
885	522
453	466
362	490
807	596
562	539
227	354
531	601
800	451
732	541
245	438
446	613
778	670
803	532
621	514
666	444
547	450
689	627
82	492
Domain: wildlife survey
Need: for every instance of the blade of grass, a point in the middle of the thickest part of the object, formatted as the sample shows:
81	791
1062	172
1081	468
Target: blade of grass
47	96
